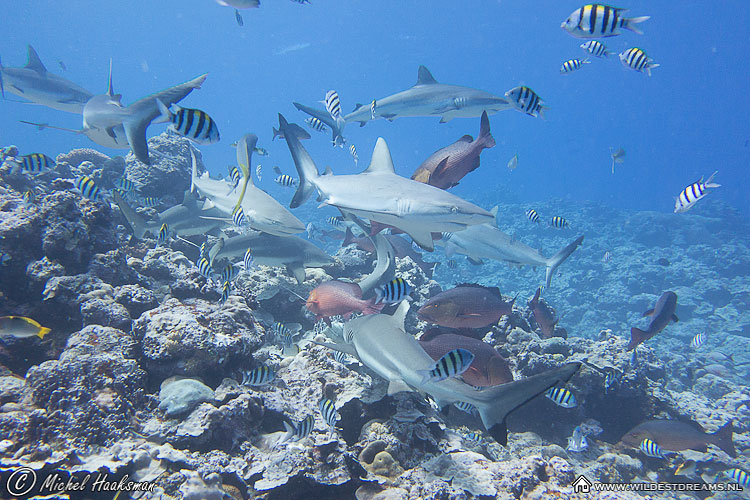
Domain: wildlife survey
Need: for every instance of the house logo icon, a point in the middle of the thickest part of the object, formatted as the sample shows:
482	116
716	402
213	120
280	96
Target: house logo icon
582	485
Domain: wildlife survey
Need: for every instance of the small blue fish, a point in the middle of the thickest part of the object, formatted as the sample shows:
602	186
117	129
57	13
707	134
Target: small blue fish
248	259
452	364
204	267
299	431
577	442
328	410
607	257
452	264
562	397
28	198
163	234
258	172
392	292
353	152
261	375
634	359
651	449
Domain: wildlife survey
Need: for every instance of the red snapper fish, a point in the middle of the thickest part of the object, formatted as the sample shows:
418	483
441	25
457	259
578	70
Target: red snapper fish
335	297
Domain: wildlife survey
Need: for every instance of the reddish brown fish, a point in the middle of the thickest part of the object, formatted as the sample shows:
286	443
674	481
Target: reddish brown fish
446	166
543	315
673	435
466	306
339	298
488	367
402	248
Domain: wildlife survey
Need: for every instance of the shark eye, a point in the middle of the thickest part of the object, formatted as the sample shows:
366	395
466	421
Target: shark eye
454	209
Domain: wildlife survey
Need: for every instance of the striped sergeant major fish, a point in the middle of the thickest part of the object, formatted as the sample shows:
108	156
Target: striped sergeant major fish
452	364
333	105
204	249
739	476
698	340
125	185
204	267
238	216
353	152
163	234
335	221
466	407
228	273
35	163
373	108
225	289
559	222
300	430
600	21
636	59
248	259
280	330
651	449
341	357
286	180
694	192
28	198
193	124
261	375
562	397
392	292
572	65
328	410
150	202
526	100
316	124
234	174
595	48
258	172
532	215
474	437
88	188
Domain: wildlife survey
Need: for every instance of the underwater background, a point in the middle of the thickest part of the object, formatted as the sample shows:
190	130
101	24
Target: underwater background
96	381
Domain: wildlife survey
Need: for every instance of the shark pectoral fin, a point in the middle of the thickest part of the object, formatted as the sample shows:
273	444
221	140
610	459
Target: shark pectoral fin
297	270
421	237
398	385
345	348
650	312
208	204
675	318
475	261
445	119
135	130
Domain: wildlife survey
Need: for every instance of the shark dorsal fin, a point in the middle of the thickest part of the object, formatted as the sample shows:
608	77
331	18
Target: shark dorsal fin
34	62
400	315
110	87
381	162
424	77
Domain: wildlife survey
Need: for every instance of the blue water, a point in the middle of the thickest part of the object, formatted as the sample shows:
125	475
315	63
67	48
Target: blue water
686	121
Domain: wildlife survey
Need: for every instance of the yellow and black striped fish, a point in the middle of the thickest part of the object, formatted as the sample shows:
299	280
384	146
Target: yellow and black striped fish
316	124
452	364
635	58
572	65
286	180
163	234
194	124
532	215
261	375
526	100
88	188
651	449
392	292
562	397
234	174
596	48
204	267
328	410
599	21
36	163
238	217
559	222
225	289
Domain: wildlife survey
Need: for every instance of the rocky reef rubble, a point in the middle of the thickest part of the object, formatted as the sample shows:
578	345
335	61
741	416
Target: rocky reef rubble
142	375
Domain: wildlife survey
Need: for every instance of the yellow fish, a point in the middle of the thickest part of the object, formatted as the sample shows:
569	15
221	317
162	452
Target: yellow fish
21	327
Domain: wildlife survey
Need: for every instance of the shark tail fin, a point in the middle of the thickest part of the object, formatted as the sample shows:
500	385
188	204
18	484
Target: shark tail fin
305	165
135	221
484	131
135	130
2	85
554	262
723	439
495	403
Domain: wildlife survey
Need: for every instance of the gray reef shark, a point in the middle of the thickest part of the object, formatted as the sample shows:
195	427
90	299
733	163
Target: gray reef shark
106	112
35	83
378	194
261	210
430	98
291	252
486	241
381	343
185	219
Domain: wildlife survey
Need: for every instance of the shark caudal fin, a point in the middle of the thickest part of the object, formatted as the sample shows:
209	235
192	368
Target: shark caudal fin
723	439
485	136
2	85
496	403
305	165
137	224
554	262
